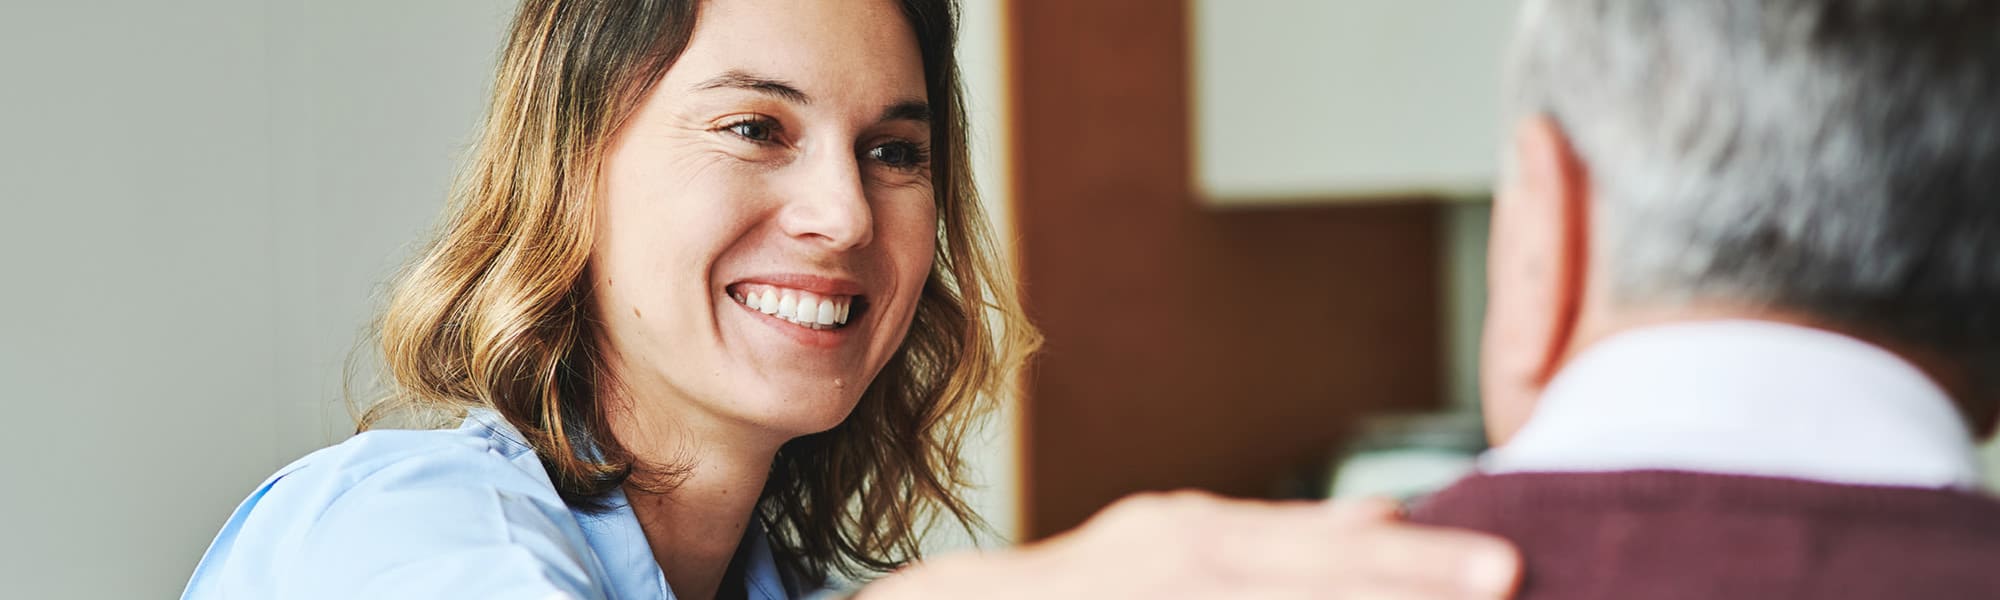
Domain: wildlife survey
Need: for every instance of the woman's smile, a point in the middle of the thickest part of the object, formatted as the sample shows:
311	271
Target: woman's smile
812	310
801	308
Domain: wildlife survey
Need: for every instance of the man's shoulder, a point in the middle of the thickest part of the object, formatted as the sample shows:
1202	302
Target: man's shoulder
1684	534
1549	502
1667	491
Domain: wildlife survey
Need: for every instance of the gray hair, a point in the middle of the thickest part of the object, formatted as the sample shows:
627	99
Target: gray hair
1835	157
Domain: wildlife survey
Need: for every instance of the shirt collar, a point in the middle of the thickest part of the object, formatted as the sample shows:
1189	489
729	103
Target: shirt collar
1748	398
617	539
619	543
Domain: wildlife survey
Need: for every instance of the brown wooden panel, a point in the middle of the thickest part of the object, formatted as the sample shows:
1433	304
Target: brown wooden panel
1187	347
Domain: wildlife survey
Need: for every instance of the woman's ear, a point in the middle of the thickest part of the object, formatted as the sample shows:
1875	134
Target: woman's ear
1535	272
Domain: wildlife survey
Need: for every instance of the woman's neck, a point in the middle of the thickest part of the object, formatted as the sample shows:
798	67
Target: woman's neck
695	525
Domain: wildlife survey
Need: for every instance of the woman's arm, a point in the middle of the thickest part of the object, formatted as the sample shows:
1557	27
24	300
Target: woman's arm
1193	545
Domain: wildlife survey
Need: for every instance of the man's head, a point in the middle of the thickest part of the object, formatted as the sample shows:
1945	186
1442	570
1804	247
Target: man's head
1831	162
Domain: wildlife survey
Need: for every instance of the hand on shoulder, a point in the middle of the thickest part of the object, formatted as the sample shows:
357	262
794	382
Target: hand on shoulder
1197	545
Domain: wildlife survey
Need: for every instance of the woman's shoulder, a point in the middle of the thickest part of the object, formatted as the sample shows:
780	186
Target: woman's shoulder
482	446
357	515
482	452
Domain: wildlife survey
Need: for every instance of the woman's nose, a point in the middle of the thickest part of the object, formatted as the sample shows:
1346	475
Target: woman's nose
829	205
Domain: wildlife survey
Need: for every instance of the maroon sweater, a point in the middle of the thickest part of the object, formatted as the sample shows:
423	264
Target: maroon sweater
1659	534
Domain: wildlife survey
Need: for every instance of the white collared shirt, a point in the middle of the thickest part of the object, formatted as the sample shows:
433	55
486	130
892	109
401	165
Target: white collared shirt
1746	398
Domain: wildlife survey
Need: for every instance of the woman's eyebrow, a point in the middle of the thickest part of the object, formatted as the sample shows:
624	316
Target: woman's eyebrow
908	110
744	80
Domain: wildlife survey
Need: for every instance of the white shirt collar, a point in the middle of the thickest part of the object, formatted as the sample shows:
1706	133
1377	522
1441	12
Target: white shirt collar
1746	398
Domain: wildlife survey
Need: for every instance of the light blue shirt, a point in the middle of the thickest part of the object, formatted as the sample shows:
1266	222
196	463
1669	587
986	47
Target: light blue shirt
460	513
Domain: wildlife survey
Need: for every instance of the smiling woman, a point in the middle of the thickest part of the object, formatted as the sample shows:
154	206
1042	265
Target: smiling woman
709	317
767	244
719	269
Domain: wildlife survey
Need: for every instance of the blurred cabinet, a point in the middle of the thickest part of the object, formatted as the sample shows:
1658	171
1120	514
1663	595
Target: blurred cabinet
1187	347
1307	101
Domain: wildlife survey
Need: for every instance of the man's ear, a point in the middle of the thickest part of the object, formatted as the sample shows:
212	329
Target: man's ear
1535	272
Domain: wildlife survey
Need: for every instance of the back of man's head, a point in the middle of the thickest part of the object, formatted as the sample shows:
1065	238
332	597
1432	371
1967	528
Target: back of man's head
1837	158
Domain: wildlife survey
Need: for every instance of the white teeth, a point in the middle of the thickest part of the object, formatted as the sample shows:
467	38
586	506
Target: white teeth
786	304
806	311
803	308
826	312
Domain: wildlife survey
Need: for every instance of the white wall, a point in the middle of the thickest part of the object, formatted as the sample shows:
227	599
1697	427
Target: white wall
374	103
994	453
1464	236
1314	100
135	328
200	201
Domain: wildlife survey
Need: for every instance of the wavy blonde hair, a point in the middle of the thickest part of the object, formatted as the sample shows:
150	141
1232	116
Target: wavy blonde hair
495	313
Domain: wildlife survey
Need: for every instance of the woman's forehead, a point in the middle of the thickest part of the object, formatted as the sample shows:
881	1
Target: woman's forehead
830	51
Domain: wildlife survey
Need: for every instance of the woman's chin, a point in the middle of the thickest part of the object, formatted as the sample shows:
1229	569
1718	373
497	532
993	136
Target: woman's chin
798	412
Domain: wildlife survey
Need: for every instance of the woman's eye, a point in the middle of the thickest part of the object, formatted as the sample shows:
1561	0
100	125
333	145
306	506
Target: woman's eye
902	155
753	130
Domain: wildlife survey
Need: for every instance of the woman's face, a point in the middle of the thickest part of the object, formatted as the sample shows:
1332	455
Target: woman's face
766	219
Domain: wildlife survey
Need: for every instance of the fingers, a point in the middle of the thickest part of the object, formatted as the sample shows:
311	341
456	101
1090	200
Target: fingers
1203	546
1358	591
1365	510
1429	558
1358	549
